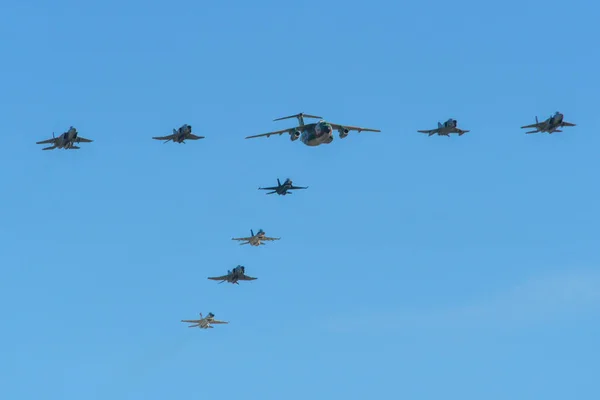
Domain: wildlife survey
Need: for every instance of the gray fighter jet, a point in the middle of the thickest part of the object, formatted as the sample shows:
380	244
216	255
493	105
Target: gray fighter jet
65	141
314	134
550	125
238	274
282	190
255	240
445	129
204	323
180	135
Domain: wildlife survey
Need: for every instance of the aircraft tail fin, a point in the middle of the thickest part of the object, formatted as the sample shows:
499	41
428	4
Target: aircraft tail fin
536	120
251	232
278	182
440	125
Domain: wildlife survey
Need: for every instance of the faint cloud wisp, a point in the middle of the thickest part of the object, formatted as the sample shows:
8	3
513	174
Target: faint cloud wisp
535	301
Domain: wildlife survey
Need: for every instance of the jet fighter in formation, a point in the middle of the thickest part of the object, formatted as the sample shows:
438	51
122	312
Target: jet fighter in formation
445	129
180	135
204	322
65	141
550	125
255	240
284	189
314	134
238	274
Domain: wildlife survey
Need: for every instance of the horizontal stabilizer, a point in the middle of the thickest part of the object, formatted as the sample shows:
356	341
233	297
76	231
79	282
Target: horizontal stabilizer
301	115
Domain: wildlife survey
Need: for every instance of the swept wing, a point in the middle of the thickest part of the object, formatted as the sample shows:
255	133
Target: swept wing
169	137
220	278
281	132
269	238
83	140
53	140
353	128
191	136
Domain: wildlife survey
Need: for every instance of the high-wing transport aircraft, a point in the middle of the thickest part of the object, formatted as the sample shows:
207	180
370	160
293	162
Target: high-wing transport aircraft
255	240
314	134
445	129
550	125
65	141
180	135
237	274
282	189
204	322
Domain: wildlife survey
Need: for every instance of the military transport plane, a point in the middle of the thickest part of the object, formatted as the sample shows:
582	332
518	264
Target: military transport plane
550	125
180	135
65	141
238	274
255	240
314	134
204	323
445	129
282	190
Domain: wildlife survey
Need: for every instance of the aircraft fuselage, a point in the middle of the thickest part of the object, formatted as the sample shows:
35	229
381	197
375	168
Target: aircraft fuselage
314	134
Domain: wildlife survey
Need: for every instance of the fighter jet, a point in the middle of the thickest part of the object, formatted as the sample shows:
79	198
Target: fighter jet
314	134
238	274
282	190
65	141
204	323
180	135
255	240
550	125
445	129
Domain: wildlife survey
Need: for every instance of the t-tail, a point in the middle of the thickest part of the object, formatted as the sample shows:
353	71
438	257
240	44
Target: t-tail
300	118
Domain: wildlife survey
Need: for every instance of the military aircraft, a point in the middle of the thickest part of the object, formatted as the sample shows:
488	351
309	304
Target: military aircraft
282	190
204	323
238	274
180	135
550	125
445	129
314	134
65	141
255	240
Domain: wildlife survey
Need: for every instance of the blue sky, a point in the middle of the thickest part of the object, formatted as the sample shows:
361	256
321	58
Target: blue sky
413	267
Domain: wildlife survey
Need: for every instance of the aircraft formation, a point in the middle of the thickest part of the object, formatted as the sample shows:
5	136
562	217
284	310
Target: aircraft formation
310	134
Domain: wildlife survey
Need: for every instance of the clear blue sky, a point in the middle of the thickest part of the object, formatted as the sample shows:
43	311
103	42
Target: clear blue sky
413	267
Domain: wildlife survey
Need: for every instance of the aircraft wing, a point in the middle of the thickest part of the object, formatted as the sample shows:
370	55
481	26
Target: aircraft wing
281	132
244	239
269	188
193	321
269	238
164	137
353	128
532	126
298	187
83	140
567	124
191	136
214	321
246	278
460	131
46	141
220	278
430	131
